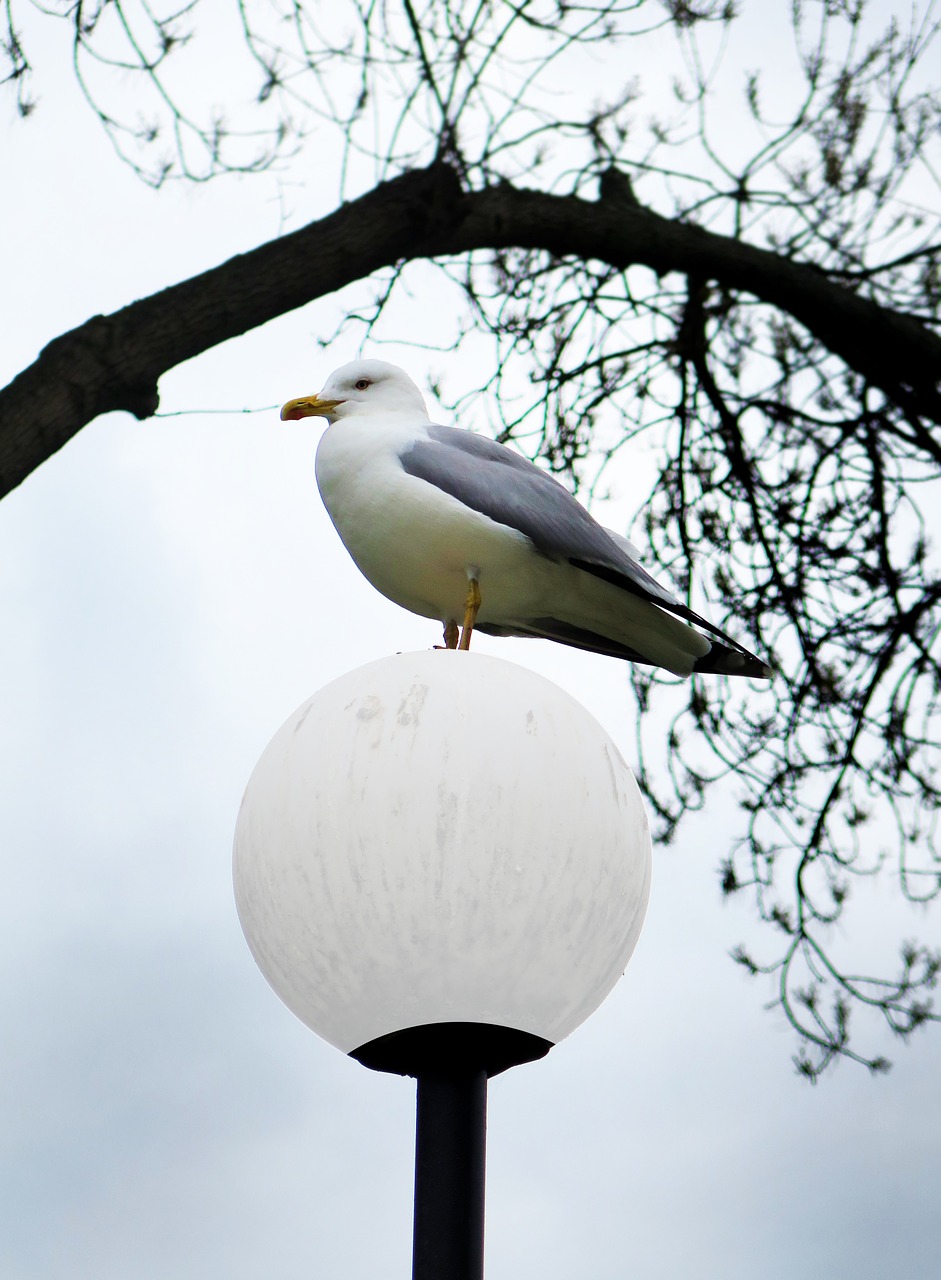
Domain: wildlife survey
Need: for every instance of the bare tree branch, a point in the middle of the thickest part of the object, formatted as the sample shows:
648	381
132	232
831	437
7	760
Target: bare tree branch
114	362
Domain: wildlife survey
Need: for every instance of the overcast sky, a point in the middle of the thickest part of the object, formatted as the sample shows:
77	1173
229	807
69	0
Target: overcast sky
171	591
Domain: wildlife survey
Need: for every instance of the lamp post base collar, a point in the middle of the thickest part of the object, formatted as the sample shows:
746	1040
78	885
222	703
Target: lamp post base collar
451	1048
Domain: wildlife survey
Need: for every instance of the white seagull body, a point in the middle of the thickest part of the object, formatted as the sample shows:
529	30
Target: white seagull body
453	526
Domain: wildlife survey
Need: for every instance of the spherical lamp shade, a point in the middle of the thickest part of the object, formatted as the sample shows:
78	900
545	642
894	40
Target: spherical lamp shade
441	838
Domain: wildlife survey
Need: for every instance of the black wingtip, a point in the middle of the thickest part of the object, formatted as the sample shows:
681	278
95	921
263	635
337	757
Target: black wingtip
721	661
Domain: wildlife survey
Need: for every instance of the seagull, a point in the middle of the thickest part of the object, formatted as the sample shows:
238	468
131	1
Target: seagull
454	526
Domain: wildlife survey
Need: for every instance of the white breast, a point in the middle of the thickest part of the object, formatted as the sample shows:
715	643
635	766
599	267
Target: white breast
415	543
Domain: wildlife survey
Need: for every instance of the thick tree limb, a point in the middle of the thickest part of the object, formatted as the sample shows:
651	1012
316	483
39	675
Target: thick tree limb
114	362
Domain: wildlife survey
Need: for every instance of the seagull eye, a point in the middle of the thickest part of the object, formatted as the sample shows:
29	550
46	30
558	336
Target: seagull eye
361	384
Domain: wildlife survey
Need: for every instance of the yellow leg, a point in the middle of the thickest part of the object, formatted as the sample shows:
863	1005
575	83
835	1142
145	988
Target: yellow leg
471	609
450	634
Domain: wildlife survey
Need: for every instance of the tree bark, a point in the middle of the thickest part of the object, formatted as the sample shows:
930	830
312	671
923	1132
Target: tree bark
114	362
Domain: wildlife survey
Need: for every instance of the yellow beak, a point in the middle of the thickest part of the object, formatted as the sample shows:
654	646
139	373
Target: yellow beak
308	407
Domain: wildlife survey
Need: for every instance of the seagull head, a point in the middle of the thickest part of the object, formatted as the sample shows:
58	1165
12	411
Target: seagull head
360	388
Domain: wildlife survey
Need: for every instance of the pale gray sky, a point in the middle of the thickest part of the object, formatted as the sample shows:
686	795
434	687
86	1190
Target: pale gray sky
170	592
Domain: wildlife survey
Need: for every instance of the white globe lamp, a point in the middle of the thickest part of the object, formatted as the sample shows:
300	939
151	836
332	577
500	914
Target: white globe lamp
442	865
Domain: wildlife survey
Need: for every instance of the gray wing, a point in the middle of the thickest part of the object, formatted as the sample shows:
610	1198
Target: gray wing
502	484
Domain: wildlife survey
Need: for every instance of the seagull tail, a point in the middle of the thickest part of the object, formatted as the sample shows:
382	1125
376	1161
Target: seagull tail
726	657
